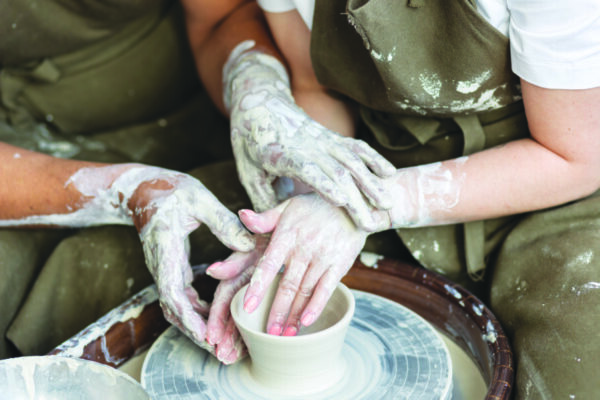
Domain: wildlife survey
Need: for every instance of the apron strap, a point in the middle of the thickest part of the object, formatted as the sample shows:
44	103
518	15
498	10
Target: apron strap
474	233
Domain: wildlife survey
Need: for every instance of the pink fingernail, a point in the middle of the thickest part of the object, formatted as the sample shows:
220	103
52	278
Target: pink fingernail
251	304
275	329
210	337
290	331
308	319
213	267
245	212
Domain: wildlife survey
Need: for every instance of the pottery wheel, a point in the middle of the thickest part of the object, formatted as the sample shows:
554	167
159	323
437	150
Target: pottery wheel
391	352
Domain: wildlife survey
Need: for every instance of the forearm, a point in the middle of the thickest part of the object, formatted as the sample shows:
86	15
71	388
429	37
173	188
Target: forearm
215	29
518	177
46	191
36	184
292	37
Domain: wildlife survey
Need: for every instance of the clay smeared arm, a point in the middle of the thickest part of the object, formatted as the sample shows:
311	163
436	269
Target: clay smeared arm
164	205
560	163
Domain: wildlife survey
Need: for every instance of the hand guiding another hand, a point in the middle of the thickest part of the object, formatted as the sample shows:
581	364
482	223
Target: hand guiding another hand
273	137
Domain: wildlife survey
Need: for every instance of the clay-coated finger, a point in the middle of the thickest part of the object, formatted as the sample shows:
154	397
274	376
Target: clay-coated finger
233	265
370	185
219	311
310	169
303	296
226	226
284	297
320	297
234	348
375	161
268	266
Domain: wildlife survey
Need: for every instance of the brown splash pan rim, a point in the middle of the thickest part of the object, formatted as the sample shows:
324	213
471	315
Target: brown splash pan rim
451	308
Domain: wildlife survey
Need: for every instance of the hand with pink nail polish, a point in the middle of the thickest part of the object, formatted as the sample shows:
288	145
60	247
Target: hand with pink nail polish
317	243
234	273
166	206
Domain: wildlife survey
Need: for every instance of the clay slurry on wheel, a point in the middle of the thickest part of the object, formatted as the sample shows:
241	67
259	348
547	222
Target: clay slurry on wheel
390	352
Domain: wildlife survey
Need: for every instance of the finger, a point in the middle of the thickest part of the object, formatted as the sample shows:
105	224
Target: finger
369	184
268	266
286	292
224	224
256	181
232	348
376	162
301	167
361	213
233	265
320	297
173	275
264	222
199	305
179	312
303	296
219	310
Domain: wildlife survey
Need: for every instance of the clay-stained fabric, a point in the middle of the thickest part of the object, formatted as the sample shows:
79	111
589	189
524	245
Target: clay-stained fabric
102	81
433	82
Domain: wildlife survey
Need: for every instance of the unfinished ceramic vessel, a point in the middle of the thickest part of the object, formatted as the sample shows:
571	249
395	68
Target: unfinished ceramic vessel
302	364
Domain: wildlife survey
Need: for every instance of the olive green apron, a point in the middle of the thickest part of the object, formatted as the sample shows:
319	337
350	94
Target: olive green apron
433	82
443	91
99	81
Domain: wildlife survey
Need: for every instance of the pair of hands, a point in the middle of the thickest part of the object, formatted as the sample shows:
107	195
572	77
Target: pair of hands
272	137
166	206
315	237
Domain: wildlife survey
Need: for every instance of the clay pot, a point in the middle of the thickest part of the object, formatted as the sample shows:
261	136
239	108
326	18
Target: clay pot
298	364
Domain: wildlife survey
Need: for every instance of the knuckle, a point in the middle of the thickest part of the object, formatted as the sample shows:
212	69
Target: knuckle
288	288
305	292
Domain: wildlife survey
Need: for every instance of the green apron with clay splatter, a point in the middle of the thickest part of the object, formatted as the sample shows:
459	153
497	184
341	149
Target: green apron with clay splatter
109	81
433	82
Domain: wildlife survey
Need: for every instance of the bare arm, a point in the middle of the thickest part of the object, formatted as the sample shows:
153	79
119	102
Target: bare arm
293	39
558	164
36	184
215	28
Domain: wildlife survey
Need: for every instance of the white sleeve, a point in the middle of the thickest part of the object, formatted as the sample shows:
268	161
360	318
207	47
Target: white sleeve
276	6
556	44
306	8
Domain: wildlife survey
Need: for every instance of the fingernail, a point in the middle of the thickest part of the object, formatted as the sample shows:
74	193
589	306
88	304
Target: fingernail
213	267
210	337
275	329
245	212
308	319
251	304
290	331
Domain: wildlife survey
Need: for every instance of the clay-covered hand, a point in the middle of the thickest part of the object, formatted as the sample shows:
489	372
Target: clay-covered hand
316	242
234	273
273	137
165	206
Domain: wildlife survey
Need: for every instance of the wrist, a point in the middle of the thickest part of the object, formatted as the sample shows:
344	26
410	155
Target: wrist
248	70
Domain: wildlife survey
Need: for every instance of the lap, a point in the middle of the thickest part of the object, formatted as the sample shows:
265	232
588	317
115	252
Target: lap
545	290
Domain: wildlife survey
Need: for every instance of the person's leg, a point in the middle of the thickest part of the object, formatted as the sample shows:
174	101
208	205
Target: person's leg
545	290
22	252
87	274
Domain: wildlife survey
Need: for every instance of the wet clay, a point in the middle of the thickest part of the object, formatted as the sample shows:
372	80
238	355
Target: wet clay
388	352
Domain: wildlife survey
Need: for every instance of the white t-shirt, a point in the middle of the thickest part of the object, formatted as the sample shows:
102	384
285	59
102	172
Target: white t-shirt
553	44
